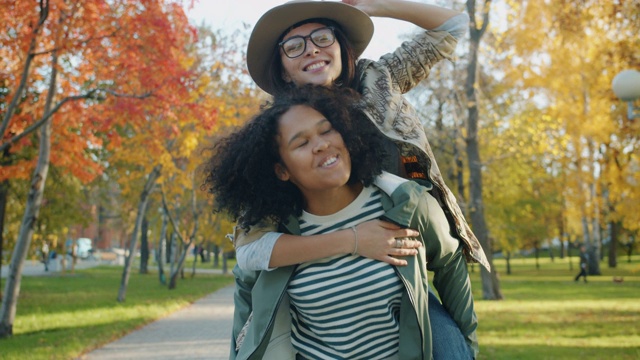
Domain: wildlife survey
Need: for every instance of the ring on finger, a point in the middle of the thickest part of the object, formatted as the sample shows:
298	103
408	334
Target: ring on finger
399	243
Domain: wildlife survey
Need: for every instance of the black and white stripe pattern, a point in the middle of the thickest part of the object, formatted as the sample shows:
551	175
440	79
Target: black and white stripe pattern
345	307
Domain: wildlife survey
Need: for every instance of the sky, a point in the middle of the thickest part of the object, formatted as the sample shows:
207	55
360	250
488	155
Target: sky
231	14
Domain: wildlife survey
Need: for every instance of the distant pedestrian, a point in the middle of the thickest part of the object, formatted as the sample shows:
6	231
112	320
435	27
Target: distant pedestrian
201	253
584	259
45	255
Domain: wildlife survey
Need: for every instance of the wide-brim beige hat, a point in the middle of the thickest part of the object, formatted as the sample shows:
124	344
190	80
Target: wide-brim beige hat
356	25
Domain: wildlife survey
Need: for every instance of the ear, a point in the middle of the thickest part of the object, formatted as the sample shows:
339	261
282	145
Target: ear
281	172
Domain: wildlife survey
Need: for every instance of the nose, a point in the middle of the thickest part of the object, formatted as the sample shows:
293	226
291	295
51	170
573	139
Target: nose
310	47
320	146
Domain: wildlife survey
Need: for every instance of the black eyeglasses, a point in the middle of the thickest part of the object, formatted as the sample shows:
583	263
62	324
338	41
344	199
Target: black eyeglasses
297	45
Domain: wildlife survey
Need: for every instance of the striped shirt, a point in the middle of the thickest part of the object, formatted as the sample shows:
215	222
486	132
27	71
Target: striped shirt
345	307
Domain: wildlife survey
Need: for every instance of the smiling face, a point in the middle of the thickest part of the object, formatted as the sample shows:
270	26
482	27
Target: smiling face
313	154
318	66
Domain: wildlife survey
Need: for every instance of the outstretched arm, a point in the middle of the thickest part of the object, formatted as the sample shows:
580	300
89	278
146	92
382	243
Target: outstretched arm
425	16
376	240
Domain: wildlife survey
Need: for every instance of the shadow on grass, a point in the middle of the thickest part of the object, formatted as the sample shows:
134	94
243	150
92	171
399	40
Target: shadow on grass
555	352
57	343
546	315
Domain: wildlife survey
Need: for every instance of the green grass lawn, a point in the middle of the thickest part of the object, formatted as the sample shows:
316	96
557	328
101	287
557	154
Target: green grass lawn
63	316
546	315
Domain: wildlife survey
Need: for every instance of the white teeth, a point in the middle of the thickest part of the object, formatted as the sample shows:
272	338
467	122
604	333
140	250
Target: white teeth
329	161
316	66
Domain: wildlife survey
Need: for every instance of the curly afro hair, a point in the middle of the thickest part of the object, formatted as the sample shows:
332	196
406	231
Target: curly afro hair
241	171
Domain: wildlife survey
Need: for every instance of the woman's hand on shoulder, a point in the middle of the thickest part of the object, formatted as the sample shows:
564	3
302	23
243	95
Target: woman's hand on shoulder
386	242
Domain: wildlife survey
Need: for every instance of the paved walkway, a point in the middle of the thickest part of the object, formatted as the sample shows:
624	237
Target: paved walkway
36	268
199	331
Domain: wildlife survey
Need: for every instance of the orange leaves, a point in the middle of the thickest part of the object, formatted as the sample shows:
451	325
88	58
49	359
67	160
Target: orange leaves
130	48
209	121
21	171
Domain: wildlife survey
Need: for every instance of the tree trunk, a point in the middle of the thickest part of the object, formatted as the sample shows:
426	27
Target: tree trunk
490	282
613	244
142	208
172	249
102	227
612	233
4	193
169	250
593	265
586	237
597	238
462	201
173	281
31	213
225	267
209	251
457	155
561	235
74	259
216	256
508	258
185	245
161	249
537	254
195	260
569	246
144	246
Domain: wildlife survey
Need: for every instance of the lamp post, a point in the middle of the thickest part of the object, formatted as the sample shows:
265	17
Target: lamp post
626	86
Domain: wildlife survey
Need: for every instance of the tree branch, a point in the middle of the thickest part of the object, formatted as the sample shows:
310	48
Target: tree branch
196	216
116	94
485	17
81	42
471	9
91	94
44	13
166	210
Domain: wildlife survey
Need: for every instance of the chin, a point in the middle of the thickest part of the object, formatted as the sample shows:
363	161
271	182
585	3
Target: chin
321	82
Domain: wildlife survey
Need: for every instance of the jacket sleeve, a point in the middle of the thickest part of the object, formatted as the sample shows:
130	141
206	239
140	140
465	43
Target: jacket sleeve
454	287
451	277
256	255
243	236
242	300
413	60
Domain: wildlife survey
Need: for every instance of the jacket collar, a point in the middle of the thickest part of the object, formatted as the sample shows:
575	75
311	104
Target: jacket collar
398	203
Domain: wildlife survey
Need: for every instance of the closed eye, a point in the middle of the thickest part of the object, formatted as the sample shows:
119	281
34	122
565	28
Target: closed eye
300	144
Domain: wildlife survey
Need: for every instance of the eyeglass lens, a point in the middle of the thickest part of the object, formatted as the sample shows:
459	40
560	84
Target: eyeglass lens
297	45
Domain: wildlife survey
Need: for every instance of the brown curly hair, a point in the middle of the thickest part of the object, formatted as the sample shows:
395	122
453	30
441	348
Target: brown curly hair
240	173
